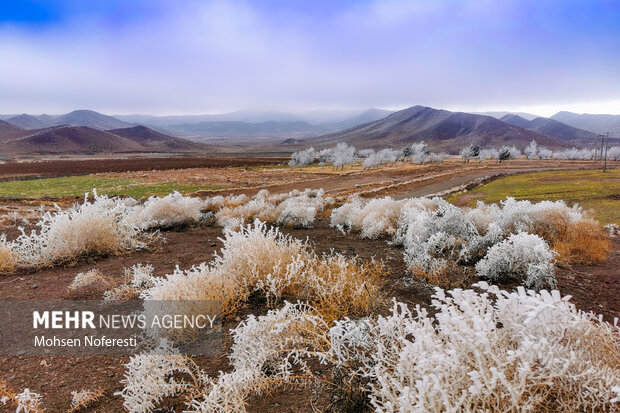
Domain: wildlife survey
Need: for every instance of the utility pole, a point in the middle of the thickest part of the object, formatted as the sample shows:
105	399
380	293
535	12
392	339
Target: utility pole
606	146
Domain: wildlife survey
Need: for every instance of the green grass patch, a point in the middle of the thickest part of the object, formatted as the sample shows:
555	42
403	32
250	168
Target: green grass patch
78	185
592	189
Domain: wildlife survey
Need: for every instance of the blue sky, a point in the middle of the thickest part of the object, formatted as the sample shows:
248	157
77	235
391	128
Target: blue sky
173	57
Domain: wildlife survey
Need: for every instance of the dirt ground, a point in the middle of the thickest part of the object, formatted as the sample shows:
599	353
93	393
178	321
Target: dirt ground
593	288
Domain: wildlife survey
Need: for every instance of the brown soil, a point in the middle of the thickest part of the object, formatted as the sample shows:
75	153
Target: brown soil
63	167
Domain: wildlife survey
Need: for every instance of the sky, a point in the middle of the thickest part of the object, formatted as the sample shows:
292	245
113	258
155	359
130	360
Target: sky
192	57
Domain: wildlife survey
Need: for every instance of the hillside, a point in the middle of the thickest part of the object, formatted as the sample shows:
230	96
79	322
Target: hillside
157	141
76	140
441	129
91	119
591	122
553	129
70	140
6	127
26	121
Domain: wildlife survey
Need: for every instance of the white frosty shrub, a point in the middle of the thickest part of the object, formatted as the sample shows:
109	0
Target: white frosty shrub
613	153
170	211
574	154
150	377
94	227
544	153
489	351
523	256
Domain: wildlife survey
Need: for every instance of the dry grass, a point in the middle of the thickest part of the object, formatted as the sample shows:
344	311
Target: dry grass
576	242
8	259
448	276
338	287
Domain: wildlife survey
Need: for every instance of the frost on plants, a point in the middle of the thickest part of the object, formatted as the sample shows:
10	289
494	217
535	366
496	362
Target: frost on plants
523	256
489	351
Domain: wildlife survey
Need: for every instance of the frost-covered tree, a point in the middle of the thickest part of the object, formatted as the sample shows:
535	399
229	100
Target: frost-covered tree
469	152
383	156
302	158
490	153
544	153
342	155
508	152
613	153
365	153
531	151
419	152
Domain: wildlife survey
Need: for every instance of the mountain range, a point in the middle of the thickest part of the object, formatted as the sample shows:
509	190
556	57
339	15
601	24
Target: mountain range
600	124
442	130
86	131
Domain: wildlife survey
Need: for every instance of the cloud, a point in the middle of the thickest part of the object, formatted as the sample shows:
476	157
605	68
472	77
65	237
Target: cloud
212	56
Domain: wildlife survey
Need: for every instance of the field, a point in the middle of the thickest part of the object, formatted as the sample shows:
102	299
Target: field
592	189
367	272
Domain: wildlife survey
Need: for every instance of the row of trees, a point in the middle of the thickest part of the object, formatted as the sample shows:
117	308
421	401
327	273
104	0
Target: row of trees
343	154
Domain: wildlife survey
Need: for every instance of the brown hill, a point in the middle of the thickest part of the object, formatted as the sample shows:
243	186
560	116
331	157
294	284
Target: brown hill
70	140
85	140
26	121
157	141
553	129
441	129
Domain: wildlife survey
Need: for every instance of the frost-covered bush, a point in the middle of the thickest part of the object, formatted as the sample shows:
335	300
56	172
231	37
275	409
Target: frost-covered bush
94	227
173	210
297	209
303	158
136	279
523	256
375	217
508	152
365	153
87	279
489	351
613	153
417	152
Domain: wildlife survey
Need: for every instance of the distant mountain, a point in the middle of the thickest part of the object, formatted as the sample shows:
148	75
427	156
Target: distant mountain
499	115
157	141
244	129
442	130
26	121
91	119
516	120
85	140
369	115
553	129
6	127
594	123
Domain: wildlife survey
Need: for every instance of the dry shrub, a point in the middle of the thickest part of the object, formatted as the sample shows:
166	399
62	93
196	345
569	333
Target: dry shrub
338	287
26	401
584	242
199	283
8	259
450	275
259	259
88	281
84	398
